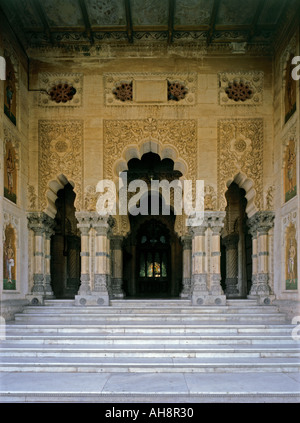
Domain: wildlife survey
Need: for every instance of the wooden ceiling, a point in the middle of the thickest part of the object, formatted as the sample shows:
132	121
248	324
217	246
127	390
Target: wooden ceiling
89	22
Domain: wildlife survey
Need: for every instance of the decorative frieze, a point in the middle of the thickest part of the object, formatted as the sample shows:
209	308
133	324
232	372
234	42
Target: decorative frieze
180	89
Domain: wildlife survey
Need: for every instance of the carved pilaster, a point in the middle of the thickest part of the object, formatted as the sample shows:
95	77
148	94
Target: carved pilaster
259	225
84	225
216	223
42	226
187	258
199	272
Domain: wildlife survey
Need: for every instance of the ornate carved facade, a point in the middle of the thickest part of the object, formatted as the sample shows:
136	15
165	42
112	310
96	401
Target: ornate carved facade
200	104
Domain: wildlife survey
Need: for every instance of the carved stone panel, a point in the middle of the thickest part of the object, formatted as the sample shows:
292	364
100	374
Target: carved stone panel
240	149
49	80
60	153
253	80
181	134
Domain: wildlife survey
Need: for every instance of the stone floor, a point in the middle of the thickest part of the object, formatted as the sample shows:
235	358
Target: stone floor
150	387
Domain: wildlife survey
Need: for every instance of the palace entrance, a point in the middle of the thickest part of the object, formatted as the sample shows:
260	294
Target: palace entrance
152	259
152	253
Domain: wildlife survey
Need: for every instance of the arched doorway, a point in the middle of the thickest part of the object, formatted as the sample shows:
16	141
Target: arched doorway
65	246
152	253
236	248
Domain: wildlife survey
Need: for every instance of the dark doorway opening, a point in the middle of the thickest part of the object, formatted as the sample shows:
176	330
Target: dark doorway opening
65	247
236	248
152	253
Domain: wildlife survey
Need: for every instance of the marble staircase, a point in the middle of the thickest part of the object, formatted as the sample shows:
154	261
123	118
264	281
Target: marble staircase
145	336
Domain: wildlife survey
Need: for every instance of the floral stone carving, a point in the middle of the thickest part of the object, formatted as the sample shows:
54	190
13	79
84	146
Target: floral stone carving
240	149
241	88
60	153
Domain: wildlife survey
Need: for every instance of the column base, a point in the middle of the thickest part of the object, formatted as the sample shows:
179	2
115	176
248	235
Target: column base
92	299
231	287
186	291
116	288
210	300
262	299
35	299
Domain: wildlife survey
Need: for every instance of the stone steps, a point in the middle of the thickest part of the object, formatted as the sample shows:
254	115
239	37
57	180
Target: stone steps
190	351
165	336
136	310
153	339
101	318
148	364
158	329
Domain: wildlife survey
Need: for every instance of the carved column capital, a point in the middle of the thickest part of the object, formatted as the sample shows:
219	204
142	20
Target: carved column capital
261	221
216	221
102	224
186	241
39	222
84	221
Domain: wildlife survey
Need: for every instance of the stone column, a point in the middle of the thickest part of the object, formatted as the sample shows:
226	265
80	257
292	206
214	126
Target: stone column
35	223
199	271
231	244
48	233
84	225
41	224
262	222
216	223
117	266
102	275
186	268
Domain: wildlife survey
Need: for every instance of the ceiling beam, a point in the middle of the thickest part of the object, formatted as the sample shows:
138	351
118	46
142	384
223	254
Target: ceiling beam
86	20
212	23
19	32
128	21
259	8
171	21
40	11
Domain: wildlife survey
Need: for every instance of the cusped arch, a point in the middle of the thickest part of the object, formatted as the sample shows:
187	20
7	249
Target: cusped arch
248	185
51	194
150	146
